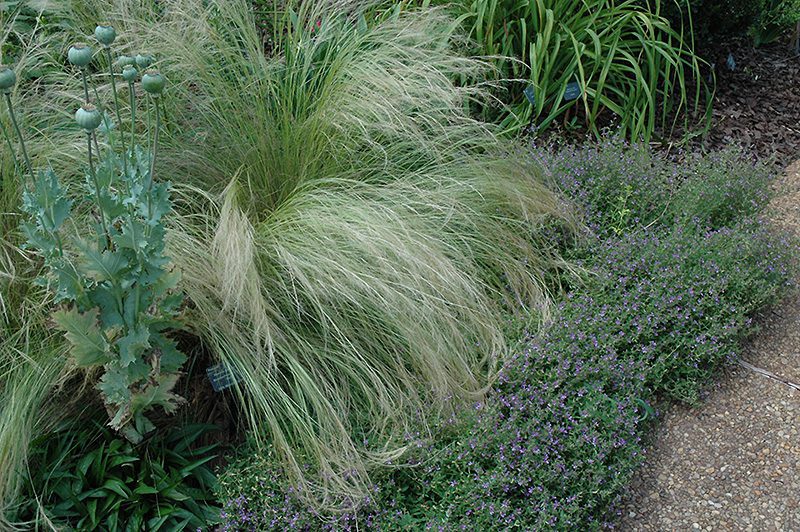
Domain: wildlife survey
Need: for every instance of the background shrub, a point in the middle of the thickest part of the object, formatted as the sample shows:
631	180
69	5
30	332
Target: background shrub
763	20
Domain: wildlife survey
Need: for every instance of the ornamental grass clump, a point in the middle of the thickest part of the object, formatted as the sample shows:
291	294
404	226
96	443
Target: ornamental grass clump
111	280
361	232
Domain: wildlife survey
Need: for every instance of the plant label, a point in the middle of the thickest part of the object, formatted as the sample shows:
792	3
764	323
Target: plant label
573	91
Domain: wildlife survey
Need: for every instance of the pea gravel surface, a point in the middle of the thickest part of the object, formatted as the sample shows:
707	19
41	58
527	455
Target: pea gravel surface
733	462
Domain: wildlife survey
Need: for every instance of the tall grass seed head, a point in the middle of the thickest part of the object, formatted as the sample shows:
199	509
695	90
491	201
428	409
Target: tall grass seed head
79	54
105	34
144	61
153	82
88	117
129	73
7	78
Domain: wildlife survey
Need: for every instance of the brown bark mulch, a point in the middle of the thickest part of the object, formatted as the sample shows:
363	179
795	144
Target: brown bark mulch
757	104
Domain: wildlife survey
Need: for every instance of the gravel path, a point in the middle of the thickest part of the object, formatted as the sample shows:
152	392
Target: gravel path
733	463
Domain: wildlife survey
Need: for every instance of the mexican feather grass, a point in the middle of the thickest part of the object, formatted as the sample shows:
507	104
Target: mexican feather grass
347	235
33	362
366	232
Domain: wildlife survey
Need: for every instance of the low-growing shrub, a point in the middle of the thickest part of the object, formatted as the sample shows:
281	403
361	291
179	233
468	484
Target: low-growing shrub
619	187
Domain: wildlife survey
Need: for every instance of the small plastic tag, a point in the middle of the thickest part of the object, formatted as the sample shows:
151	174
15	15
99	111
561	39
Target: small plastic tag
573	91
731	62
530	94
222	377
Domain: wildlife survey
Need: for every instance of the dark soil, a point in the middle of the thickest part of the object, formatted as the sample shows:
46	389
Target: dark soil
757	104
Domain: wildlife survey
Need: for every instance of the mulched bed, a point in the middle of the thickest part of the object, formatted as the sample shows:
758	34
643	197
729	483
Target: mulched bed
757	104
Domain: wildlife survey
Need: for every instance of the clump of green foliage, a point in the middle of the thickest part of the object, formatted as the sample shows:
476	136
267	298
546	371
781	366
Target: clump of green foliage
773	19
582	62
89	479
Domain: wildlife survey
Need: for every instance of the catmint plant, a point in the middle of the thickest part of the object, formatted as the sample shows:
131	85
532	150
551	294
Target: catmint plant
112	282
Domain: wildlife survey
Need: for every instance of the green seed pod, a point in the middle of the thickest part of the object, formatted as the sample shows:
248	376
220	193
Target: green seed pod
79	54
153	82
88	117
7	78
144	61
129	73
125	60
105	34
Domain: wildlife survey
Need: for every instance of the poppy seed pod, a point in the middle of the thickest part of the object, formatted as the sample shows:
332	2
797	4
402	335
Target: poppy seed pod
88	117
7	78
124	60
79	54
153	82
105	34
129	73
143	61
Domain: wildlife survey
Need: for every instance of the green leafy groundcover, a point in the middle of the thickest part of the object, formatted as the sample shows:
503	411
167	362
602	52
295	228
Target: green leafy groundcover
674	286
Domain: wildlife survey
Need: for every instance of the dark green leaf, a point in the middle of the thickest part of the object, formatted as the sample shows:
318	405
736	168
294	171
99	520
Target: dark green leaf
117	487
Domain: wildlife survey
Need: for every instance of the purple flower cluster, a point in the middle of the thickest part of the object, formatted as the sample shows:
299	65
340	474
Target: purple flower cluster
263	501
619	187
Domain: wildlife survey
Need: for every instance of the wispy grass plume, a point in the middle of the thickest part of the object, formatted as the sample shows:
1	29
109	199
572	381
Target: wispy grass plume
363	231
346	232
